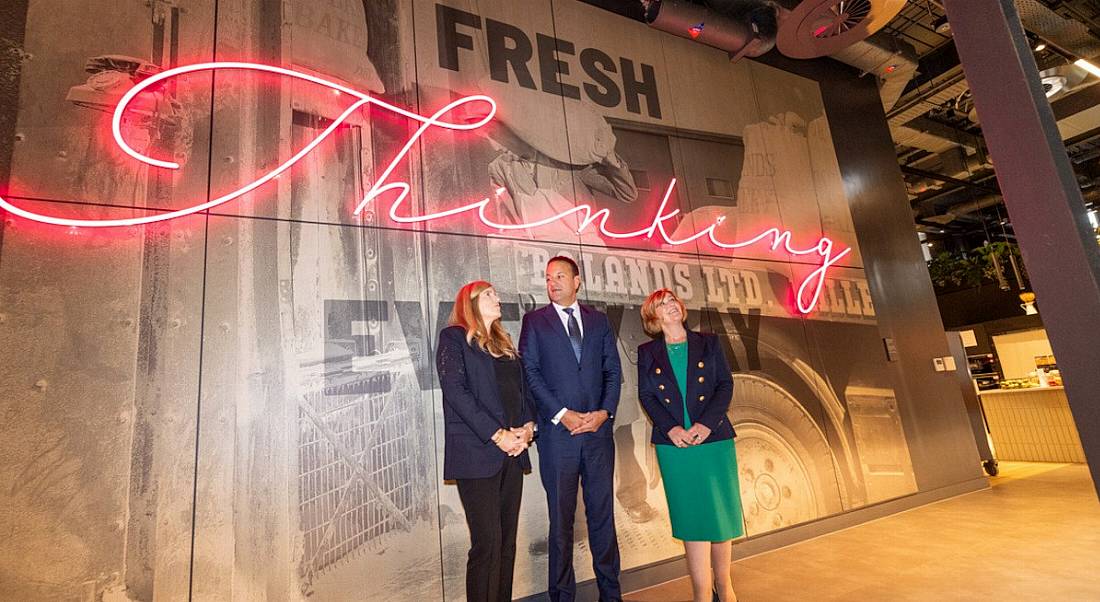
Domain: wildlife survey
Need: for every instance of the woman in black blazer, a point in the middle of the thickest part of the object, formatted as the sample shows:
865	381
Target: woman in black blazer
685	386
488	427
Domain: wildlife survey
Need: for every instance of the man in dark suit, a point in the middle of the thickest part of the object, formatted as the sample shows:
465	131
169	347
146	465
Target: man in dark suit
572	368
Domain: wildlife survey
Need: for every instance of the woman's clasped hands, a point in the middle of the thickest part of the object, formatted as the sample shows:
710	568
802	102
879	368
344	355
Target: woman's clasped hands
515	440
695	435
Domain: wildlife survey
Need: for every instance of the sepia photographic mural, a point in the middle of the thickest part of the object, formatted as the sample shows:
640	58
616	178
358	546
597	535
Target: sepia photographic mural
236	400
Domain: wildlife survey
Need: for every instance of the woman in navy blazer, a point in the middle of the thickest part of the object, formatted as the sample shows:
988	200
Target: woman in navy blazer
685	386
488	427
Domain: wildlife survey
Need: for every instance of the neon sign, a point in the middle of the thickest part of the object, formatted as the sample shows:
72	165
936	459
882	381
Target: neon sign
806	296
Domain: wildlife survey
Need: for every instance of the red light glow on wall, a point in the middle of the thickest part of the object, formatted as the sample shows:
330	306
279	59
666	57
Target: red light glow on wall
484	109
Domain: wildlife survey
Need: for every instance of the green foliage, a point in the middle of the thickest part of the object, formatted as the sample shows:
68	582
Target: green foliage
950	269
976	267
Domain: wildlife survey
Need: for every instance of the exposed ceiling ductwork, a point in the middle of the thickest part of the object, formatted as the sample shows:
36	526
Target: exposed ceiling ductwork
743	28
907	136
816	28
892	61
1071	36
951	165
906	46
1061	80
908	112
925	102
842	29
964	210
1067	35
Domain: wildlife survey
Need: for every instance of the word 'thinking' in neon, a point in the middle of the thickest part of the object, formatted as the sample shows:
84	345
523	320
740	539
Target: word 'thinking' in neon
807	294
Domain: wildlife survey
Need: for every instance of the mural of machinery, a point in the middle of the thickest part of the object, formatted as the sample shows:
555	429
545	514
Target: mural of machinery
241	404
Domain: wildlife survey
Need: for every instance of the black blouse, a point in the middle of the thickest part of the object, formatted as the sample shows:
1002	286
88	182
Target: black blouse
511	388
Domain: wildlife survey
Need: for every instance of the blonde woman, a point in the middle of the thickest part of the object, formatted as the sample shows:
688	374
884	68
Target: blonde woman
488	427
684	384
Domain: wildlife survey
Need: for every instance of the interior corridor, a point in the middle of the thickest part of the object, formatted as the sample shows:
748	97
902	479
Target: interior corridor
1035	535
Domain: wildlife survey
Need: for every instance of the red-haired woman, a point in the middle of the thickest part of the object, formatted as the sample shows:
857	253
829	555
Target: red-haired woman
684	384
488	427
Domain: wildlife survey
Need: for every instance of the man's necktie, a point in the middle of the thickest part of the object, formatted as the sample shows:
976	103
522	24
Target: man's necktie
574	333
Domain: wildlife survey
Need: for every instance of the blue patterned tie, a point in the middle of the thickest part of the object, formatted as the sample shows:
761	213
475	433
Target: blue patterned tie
574	333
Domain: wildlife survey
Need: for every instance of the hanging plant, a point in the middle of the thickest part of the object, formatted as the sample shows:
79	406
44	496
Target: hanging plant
998	262
954	269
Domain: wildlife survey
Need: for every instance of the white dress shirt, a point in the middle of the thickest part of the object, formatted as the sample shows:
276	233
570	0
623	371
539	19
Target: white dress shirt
564	317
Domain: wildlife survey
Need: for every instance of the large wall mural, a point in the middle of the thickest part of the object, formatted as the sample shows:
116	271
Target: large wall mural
241	403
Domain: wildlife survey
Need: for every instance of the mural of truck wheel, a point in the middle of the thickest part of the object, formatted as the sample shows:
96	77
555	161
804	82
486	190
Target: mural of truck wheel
785	467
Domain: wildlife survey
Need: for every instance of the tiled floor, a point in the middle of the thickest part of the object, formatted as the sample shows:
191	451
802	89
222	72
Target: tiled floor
1034	536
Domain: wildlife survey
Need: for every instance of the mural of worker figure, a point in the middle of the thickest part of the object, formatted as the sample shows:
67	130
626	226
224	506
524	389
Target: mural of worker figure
539	182
536	185
312	465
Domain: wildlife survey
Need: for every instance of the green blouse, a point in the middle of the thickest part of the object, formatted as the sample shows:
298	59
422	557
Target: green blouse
678	357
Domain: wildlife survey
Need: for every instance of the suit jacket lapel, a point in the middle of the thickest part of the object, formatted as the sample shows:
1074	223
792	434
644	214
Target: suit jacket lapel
695	348
555	323
588	324
695	354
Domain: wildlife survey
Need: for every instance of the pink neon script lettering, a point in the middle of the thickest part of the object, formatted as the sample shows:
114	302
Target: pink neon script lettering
807	295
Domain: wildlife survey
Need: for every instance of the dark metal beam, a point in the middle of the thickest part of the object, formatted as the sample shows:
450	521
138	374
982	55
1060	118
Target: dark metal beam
935	64
631	10
931	175
944	130
967	139
947	196
1075	102
930	196
1042	197
915	96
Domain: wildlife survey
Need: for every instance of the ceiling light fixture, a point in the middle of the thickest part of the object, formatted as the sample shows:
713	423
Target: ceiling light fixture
1087	66
941	26
1053	84
1041	46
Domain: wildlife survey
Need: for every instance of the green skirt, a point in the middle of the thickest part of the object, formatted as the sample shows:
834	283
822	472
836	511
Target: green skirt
704	499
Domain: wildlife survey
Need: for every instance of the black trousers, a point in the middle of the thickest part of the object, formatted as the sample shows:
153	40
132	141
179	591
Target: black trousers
492	514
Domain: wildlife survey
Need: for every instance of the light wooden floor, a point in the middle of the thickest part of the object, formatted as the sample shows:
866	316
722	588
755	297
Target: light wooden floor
1034	536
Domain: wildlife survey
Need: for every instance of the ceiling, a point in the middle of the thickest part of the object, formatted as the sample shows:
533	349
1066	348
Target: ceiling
937	133
950	179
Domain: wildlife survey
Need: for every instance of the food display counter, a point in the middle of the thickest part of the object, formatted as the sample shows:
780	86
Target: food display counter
1032	424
